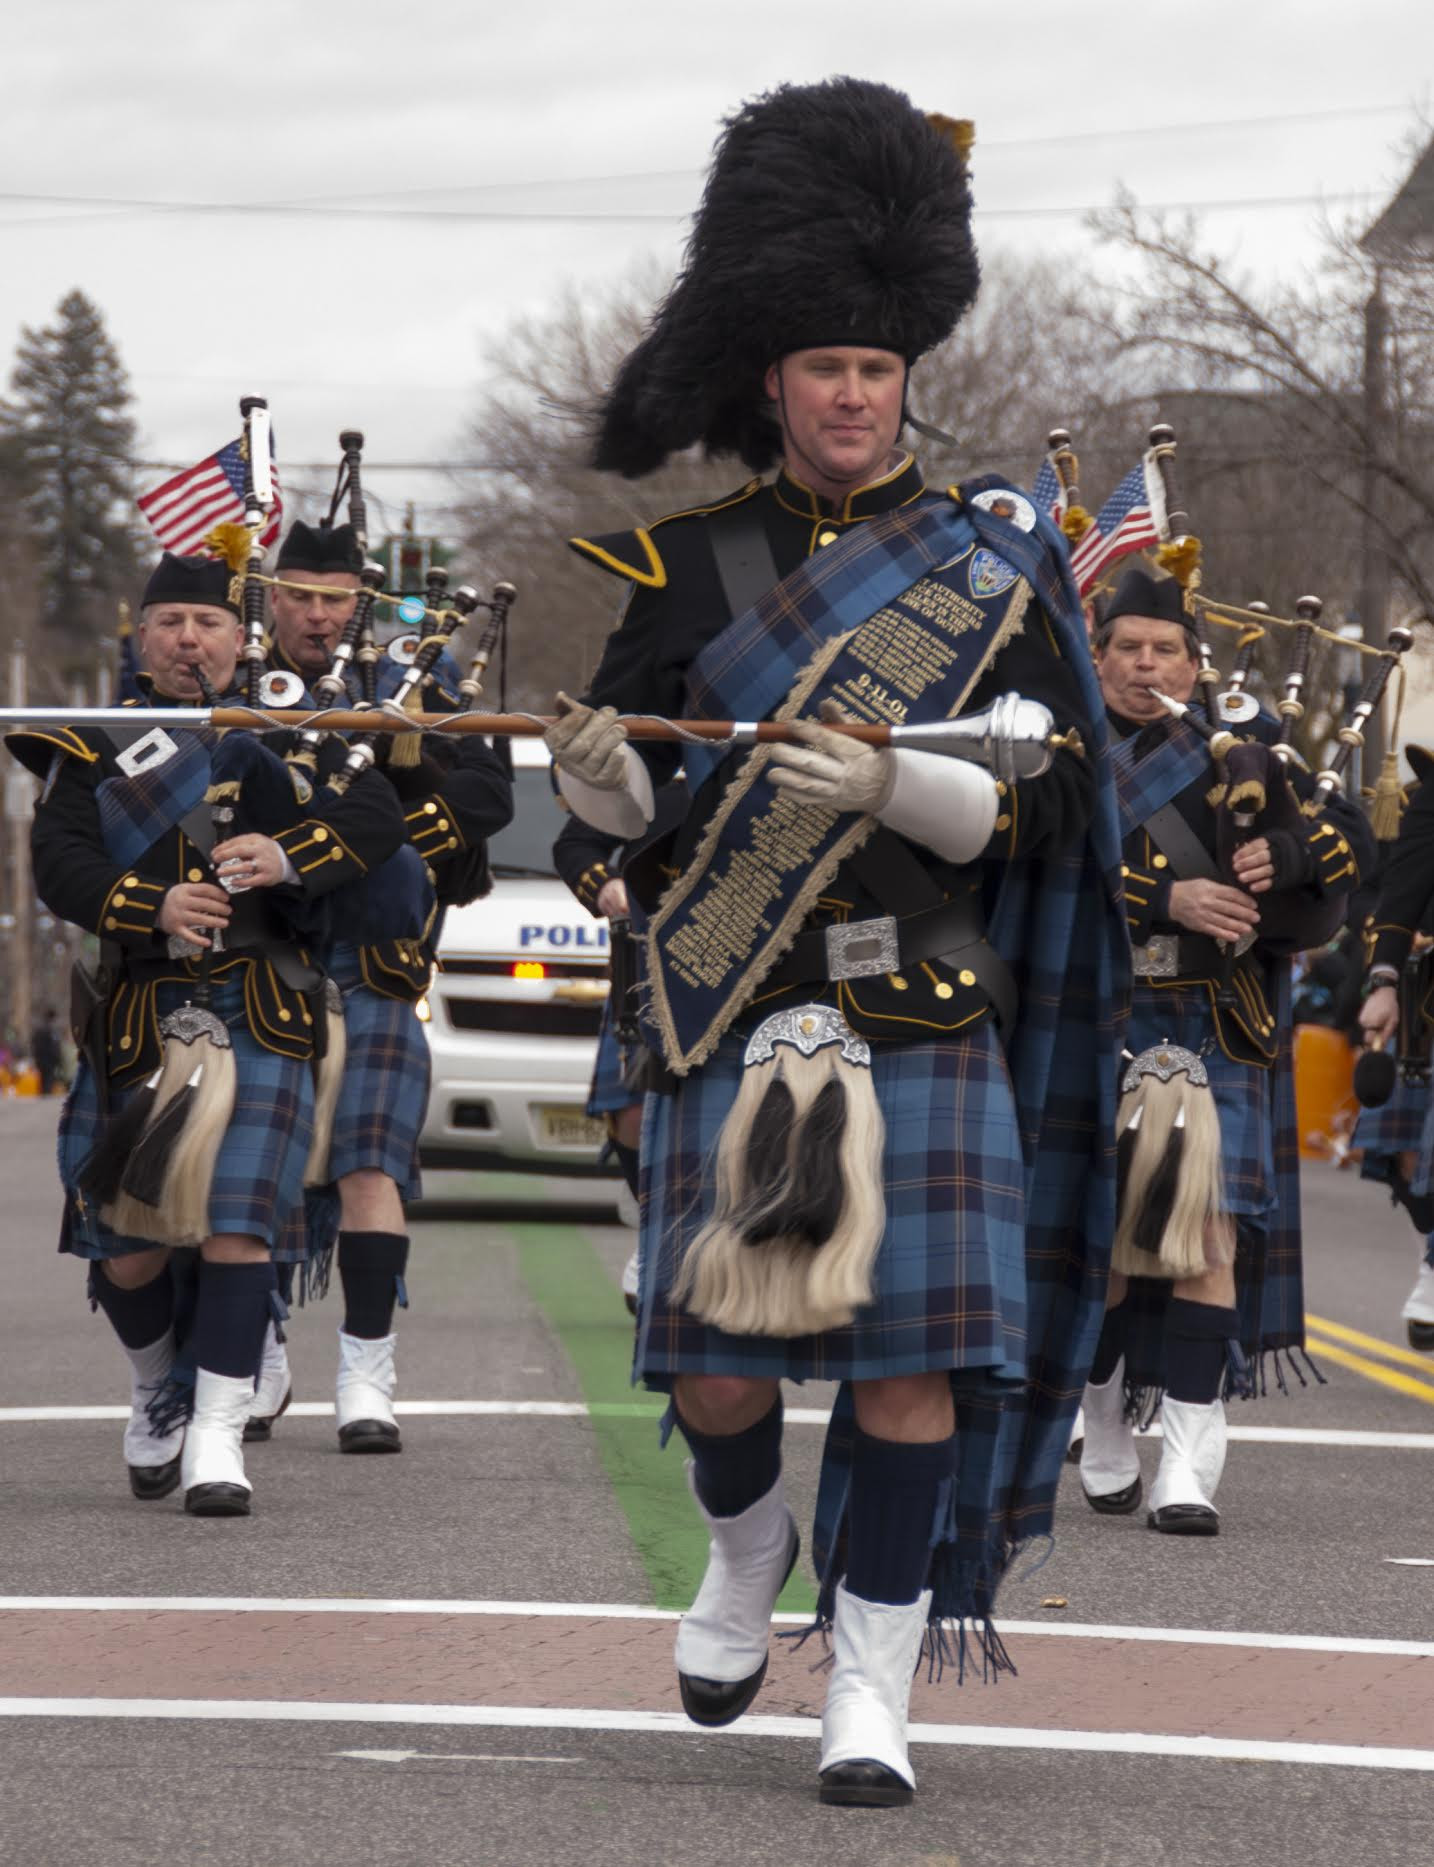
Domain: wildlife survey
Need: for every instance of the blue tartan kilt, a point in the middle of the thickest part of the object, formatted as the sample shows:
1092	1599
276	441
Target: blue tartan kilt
385	1086
1423	1180
258	1176
950	1279
1397	1128
608	1092
1244	1093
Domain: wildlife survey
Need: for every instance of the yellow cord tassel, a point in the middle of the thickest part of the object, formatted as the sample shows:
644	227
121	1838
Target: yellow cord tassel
1075	523
231	543
1181	557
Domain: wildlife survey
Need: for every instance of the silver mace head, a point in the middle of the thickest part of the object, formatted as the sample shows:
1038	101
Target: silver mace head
1013	738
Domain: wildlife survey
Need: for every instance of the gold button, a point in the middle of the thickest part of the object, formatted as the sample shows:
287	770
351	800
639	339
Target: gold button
1000	787
945	991
897	982
195	875
110	923
453	842
1160	862
336	855
1342	846
1003	822
430	807
321	835
966	976
284	1014
442	824
117	901
1124	869
308	1019
130	881
125	1042
826	538
808	1025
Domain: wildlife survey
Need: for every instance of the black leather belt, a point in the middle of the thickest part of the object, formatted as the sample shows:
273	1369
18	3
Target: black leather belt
860	949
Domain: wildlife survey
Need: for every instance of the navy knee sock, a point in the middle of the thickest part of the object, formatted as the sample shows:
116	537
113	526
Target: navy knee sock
140	1316
371	1267
231	1313
896	1491
1195	1339
732	1470
1111	1346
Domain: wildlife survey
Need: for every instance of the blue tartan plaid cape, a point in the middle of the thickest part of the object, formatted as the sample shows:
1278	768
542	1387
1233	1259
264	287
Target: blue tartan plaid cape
1058	922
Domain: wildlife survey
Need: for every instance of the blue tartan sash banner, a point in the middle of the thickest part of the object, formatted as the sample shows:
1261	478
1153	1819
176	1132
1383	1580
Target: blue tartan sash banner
901	620
1143	785
136	811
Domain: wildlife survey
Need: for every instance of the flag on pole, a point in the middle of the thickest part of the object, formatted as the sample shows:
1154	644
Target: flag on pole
185	509
1047	494
1133	517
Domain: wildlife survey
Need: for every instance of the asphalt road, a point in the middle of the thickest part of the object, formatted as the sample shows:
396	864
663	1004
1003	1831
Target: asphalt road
515	1306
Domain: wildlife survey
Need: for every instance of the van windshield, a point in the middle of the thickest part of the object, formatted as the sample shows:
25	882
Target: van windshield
525	847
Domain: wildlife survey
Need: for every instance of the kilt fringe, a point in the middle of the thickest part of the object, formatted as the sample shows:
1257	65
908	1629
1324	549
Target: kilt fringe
1246	1378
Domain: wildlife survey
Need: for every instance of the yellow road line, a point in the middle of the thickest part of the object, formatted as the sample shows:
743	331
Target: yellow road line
1371	1370
1387	1351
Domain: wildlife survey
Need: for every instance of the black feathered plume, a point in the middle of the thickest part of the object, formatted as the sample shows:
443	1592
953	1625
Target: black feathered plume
834	213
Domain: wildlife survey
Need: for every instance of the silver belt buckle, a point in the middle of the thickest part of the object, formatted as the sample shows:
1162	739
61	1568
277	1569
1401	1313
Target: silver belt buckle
860	949
154	749
1159	958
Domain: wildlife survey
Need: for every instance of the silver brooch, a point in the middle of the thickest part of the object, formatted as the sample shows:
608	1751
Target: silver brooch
806	1028
1165	1061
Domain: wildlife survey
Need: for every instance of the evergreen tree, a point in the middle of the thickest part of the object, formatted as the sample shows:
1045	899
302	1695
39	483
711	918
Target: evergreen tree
70	442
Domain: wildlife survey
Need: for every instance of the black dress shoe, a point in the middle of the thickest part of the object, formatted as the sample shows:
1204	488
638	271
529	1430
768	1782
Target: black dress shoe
1116	1503
1421	1336
262	1427
216	1500
153	1481
715	1702
369	1436
863	1784
1186	1520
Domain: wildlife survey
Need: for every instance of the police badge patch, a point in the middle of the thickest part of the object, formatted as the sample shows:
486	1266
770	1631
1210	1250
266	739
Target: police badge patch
988	574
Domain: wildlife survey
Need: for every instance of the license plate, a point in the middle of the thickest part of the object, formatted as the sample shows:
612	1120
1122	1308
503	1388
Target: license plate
566	1127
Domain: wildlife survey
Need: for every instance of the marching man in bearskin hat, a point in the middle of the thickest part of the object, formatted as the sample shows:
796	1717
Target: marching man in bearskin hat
882	987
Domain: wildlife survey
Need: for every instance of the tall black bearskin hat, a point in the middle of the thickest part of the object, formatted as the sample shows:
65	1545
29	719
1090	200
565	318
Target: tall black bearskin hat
191	580
834	213
320	548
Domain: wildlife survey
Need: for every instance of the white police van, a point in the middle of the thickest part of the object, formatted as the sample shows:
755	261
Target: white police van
512	1013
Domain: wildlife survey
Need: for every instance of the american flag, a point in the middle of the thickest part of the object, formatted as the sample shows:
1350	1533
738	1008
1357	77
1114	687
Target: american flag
1131	518
1047	494
185	509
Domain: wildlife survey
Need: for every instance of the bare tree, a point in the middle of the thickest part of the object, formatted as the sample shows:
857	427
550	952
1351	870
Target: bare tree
1292	467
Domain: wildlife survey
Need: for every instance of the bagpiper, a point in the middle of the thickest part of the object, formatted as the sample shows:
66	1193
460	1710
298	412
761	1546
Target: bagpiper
1225	878
190	858
453	797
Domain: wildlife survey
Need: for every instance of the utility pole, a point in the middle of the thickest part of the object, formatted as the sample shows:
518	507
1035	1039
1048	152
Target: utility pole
19	808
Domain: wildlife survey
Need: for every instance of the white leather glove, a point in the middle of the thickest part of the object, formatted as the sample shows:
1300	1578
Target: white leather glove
832	770
588	742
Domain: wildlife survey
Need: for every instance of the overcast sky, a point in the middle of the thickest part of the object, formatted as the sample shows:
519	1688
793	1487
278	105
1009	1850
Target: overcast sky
438	158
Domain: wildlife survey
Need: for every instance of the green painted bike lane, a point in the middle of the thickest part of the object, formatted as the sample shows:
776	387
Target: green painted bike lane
570	1285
